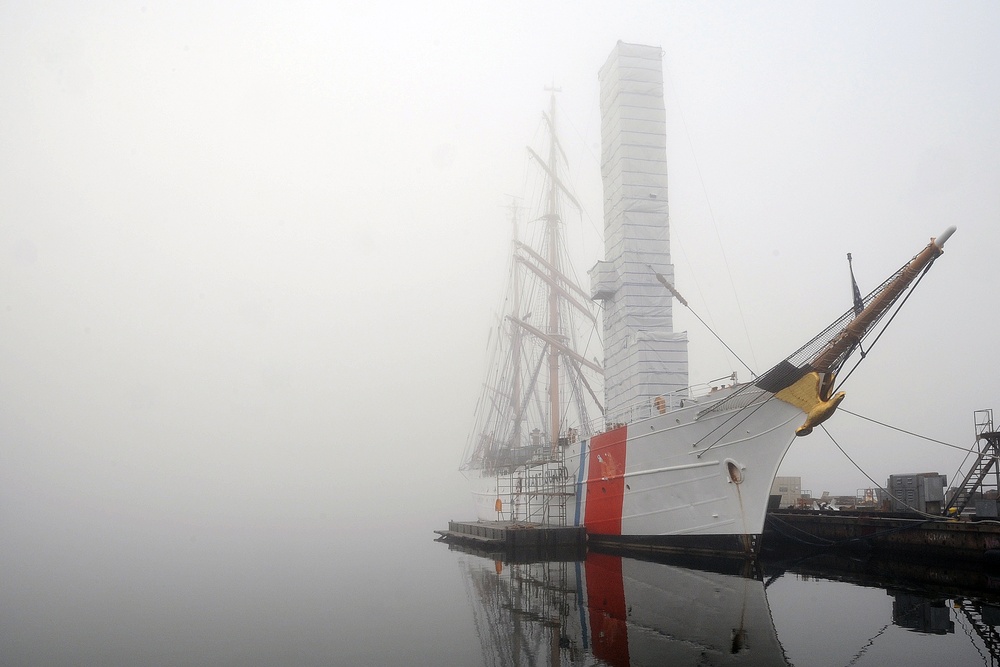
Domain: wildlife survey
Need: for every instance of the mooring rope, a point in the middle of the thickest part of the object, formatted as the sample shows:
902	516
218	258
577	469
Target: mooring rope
968	450
871	642
876	484
825	542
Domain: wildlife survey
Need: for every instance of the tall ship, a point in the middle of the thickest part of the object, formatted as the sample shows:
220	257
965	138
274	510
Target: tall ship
611	435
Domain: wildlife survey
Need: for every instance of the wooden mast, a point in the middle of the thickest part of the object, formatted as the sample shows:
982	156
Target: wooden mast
863	321
552	223
811	390
515	337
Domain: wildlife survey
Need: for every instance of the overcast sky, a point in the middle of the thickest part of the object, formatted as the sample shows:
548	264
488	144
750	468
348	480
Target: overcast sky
249	253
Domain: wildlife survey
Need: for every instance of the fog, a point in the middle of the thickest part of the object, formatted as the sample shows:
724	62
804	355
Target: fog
251	253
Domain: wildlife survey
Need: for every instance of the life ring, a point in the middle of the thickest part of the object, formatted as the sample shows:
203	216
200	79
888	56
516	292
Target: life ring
661	404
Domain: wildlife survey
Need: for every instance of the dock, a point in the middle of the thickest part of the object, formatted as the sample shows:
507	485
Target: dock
786	532
883	533
519	540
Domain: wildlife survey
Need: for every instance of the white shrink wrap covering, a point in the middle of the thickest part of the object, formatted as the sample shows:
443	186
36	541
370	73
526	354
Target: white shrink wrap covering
644	357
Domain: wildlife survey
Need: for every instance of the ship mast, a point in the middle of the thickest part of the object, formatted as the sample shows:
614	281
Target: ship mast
827	360
809	385
552	225
515	334
538	382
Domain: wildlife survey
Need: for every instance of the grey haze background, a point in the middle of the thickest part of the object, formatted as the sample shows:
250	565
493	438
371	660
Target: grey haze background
250	252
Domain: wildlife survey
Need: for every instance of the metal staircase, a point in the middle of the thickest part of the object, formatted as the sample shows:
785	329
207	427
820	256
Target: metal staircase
976	614
984	474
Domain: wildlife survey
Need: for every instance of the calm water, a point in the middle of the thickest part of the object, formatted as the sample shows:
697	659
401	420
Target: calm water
301	593
609	610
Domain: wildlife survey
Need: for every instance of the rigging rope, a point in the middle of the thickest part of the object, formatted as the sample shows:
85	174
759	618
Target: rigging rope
715	226
898	307
903	430
735	426
877	485
968	451
673	290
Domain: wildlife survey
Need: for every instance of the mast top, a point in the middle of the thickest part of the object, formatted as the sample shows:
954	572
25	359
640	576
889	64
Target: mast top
945	235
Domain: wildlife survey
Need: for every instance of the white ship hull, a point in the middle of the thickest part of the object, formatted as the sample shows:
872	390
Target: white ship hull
690	478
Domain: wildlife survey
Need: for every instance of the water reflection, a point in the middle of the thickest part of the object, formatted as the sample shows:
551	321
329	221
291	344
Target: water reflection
958	602
920	614
619	611
615	610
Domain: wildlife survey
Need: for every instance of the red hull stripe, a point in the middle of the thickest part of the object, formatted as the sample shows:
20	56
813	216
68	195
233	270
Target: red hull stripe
606	602
606	482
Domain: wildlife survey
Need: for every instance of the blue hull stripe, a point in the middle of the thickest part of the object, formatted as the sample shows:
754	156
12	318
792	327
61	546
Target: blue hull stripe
580	477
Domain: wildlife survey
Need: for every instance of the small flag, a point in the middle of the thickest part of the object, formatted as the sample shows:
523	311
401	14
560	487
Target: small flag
859	303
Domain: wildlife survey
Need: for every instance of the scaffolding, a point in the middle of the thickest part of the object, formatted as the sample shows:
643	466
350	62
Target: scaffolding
536	492
528	613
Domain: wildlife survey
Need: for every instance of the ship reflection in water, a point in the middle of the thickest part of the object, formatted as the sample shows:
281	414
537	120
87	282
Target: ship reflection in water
614	610
619	611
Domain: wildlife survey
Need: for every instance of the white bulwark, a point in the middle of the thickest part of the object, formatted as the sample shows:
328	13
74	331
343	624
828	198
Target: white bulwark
643	357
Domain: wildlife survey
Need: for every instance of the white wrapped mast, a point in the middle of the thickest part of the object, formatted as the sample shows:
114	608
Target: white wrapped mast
643	357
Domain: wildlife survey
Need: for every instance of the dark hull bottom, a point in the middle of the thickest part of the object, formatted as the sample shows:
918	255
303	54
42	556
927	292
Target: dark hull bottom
743	546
